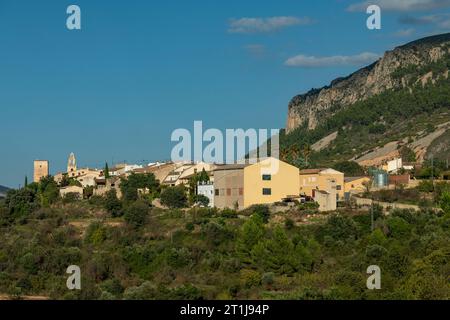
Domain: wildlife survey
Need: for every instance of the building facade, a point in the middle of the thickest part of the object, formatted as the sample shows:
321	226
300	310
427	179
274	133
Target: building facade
355	185
327	198
72	165
71	189
312	180
268	181
229	186
393	166
41	170
207	189
103	186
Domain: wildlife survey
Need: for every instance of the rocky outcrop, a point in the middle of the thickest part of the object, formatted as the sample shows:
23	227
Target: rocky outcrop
310	108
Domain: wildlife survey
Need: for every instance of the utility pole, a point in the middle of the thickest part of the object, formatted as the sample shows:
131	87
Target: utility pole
432	176
371	217
432	170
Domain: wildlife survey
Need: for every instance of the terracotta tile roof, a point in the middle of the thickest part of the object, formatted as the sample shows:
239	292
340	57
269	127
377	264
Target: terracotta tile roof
311	171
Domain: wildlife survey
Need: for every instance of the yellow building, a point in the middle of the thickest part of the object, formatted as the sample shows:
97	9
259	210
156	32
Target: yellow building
41	170
356	184
269	181
265	182
313	180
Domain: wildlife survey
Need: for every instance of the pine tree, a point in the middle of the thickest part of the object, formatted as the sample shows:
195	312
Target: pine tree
26	182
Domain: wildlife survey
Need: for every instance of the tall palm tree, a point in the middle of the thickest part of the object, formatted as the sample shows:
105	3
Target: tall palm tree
307	152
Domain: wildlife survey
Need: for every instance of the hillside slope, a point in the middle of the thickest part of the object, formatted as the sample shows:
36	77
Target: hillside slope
400	102
308	109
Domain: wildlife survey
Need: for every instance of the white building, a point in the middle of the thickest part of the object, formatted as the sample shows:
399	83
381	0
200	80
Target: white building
122	169
394	165
327	199
207	189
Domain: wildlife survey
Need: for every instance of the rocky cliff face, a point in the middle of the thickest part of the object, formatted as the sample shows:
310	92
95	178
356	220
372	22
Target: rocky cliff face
309	108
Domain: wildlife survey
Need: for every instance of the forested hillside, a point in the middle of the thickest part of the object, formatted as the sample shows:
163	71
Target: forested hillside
130	250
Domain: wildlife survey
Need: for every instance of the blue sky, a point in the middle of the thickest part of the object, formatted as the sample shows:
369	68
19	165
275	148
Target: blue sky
137	70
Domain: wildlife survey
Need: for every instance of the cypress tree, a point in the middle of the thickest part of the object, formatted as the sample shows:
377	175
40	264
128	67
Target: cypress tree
106	171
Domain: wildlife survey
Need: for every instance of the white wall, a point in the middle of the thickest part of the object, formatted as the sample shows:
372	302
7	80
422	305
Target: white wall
208	191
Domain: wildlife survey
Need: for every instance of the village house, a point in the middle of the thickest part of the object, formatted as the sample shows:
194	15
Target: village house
355	185
240	186
123	169
393	166
103	186
86	176
63	192
207	189
160	171
398	180
312	180
173	178
195	169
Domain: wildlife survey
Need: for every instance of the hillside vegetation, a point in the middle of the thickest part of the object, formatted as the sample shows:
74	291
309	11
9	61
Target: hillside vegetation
130	250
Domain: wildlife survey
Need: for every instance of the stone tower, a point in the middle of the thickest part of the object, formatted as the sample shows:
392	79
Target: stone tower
41	170
72	165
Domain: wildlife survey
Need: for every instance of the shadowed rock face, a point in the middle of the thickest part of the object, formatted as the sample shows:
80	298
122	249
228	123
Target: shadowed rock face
308	109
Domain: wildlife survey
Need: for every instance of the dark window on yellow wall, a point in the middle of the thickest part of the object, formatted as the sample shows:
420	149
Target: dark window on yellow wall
267	177
267	191
217	192
338	188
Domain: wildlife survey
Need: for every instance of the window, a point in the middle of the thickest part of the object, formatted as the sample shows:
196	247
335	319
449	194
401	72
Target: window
267	177
267	191
228	192
241	191
338	188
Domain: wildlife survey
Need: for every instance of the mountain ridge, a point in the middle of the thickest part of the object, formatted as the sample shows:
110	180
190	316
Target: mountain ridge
309	108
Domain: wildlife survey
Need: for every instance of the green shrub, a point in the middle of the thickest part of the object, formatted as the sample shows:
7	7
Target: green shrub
189	226
136	214
250	278
174	197
112	204
262	211
289	224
